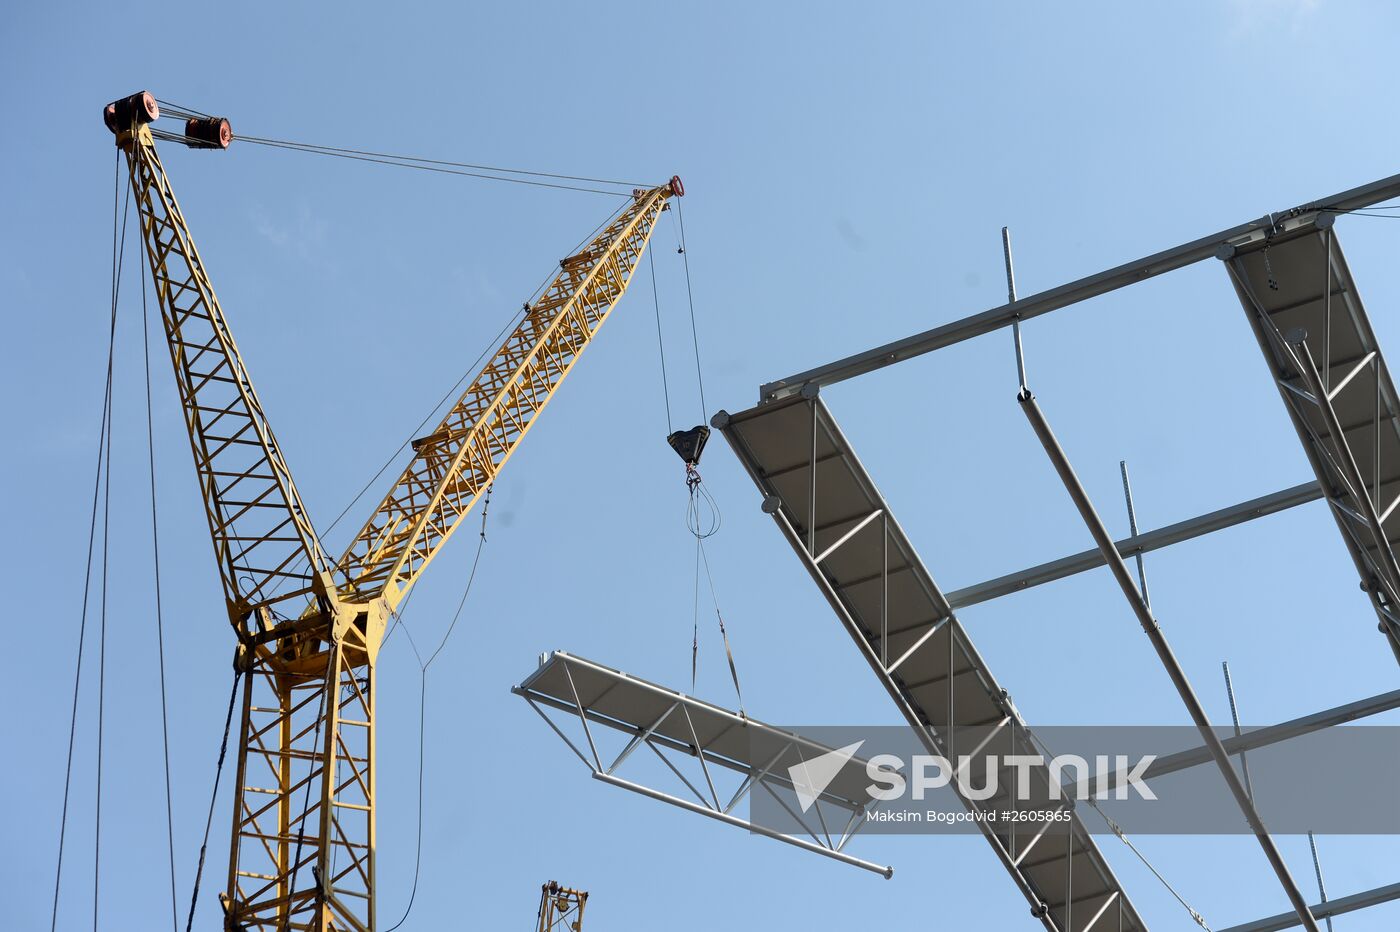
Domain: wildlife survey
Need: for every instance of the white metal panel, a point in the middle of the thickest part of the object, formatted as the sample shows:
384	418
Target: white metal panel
1303	304
818	491
681	728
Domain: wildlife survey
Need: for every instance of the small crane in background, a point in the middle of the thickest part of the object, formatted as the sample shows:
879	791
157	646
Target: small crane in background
561	908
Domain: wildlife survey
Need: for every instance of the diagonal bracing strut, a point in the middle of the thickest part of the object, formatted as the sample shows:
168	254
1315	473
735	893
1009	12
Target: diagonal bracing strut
1164	652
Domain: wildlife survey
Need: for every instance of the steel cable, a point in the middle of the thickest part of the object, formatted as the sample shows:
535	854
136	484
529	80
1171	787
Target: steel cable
160	620
213	799
428	165
119	260
1123	837
447	162
690	297
660	344
102	441
423	696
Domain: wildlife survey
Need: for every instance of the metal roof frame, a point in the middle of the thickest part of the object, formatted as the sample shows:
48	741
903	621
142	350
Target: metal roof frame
1297	291
1129	273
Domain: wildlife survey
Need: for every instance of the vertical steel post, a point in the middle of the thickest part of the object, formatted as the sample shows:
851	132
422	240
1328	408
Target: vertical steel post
285	733
1375	432
1327	315
1235	718
371	764
1133	529
1173	667
1069	879
321	872
812	487
240	777
885	588
952	756
1011	299
1317	866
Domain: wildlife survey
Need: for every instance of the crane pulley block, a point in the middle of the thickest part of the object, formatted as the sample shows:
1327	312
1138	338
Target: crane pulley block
674	186
208	133
689	444
140	107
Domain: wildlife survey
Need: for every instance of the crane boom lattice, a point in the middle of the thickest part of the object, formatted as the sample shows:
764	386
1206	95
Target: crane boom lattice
454	464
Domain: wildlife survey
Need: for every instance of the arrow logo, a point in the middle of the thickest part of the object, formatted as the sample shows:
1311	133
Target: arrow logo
811	778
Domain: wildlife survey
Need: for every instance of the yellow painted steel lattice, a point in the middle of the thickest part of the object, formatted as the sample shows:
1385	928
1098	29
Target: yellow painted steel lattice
303	845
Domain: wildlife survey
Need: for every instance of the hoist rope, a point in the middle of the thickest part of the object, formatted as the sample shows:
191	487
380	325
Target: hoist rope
213	799
101	689
160	619
702	558
660	344
441	166
695	623
702	515
690	297
423	698
103	436
120	257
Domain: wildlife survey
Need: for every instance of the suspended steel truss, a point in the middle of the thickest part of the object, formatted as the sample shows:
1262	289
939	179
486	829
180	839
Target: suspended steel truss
700	745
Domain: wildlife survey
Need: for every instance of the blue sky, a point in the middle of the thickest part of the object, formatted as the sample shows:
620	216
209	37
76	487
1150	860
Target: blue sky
848	169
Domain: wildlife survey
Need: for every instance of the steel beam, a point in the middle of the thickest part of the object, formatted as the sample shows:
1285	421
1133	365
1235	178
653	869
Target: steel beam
1072	293
721	816
1138	544
1164	653
1273	734
1347	904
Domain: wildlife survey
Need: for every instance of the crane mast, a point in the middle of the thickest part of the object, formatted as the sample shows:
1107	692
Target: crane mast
303	828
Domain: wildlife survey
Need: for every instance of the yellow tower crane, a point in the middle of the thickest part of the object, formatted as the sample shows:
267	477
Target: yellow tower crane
309	629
